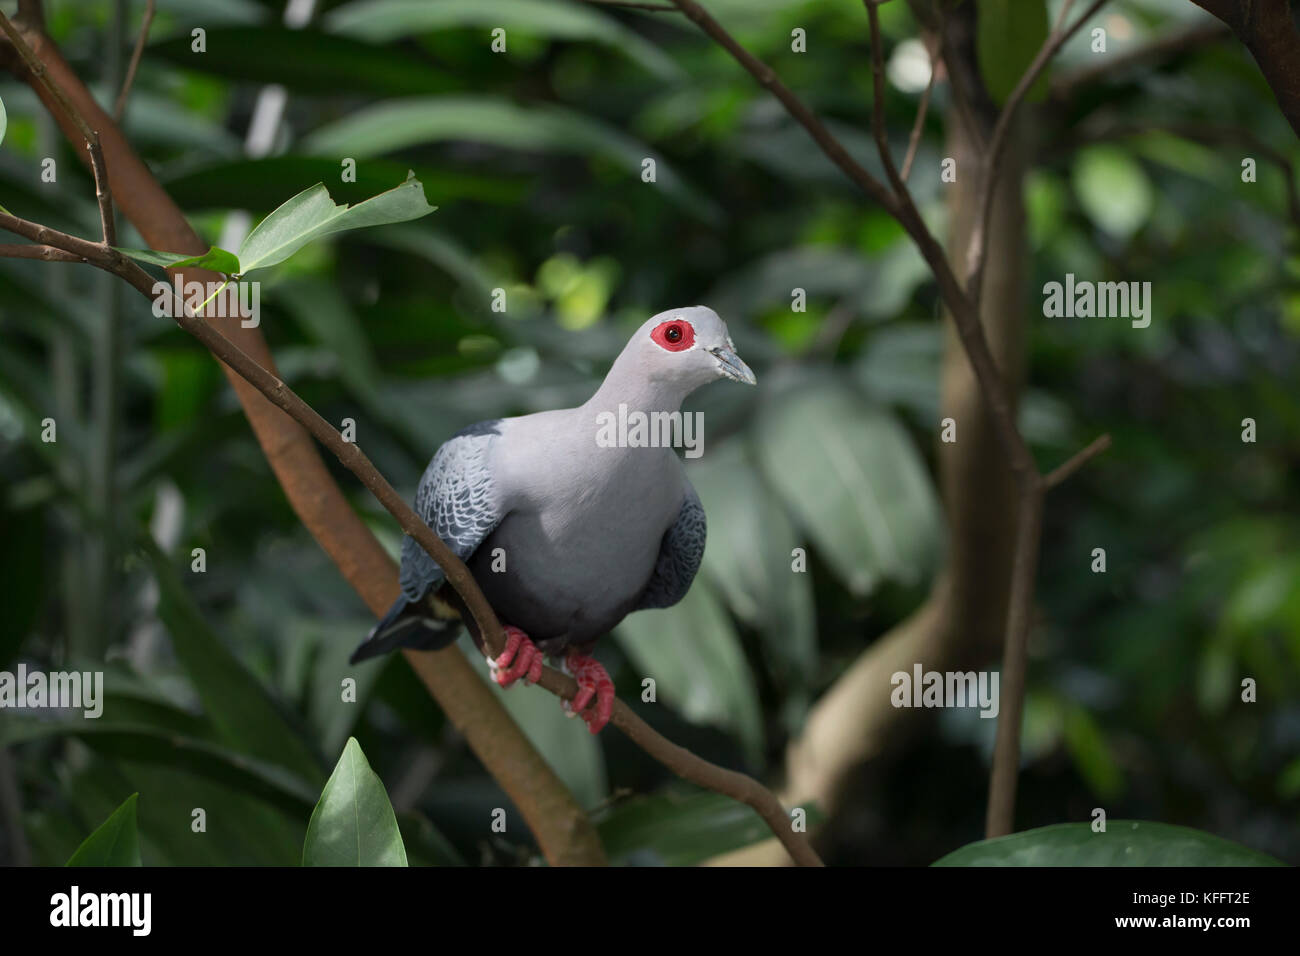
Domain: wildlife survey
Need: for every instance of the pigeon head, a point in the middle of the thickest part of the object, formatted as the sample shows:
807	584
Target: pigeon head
668	357
688	347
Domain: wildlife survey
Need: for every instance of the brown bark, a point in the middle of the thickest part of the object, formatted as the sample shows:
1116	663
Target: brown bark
963	620
1268	29
556	820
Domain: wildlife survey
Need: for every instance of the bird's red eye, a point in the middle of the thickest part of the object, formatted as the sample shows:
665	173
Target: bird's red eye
675	336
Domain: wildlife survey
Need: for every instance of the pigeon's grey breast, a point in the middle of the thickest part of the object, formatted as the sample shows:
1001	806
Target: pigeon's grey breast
583	527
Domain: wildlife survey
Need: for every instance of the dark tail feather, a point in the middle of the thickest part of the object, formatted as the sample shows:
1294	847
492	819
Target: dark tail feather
405	625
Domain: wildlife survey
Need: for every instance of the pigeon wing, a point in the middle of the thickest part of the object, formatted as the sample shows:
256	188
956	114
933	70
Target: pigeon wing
679	556
459	500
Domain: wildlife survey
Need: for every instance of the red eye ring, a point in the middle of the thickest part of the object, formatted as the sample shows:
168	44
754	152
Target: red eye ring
675	336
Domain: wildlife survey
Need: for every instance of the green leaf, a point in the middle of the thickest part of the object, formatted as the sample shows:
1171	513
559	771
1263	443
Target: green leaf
327	318
115	843
850	475
1125	843
260	185
158	743
216	259
239	706
1092	755
413	121
694	656
1113	189
1008	35
312	214
749	556
384	20
353	824
304	60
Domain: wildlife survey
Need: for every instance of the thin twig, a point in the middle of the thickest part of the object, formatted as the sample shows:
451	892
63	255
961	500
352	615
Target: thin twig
914	140
991	163
806	118
965	314
103	196
46	253
1162	48
677	759
134	65
1076	461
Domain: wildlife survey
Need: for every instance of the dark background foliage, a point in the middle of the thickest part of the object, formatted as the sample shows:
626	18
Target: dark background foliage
224	686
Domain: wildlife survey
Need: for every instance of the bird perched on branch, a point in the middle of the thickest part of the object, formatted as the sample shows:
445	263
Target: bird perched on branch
565	531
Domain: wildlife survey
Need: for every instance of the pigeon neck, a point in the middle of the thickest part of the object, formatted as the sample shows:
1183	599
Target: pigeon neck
628	385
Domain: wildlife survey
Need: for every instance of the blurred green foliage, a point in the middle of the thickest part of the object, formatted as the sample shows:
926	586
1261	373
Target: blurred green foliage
223	687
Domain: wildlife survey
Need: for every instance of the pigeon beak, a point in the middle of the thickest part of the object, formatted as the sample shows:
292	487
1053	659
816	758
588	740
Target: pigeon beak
732	365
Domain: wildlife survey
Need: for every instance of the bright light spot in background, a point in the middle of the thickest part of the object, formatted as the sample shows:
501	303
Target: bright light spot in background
519	366
909	67
1119	27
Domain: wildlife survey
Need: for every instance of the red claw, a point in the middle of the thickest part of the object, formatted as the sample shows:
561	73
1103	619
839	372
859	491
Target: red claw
593	681
521	658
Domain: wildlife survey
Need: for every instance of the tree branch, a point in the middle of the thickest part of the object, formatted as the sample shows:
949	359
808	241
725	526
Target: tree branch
1159	50
563	831
136	54
1076	461
102	194
1268	29
992	160
675	758
914	140
964	308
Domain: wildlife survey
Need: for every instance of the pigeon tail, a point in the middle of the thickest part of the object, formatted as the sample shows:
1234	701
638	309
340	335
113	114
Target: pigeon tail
405	625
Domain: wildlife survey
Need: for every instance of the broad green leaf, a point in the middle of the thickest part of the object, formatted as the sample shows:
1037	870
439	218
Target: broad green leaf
695	658
234	699
327	318
413	121
1113	189
353	824
115	843
383	20
215	259
306	61
1008	35
312	214
850	475
152	739
749	557
260	185
1092	755
1125	843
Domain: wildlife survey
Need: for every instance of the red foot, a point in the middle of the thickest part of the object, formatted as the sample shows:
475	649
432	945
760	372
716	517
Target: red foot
593	681
521	658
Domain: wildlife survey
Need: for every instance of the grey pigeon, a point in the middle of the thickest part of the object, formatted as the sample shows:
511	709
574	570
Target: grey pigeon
567	522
